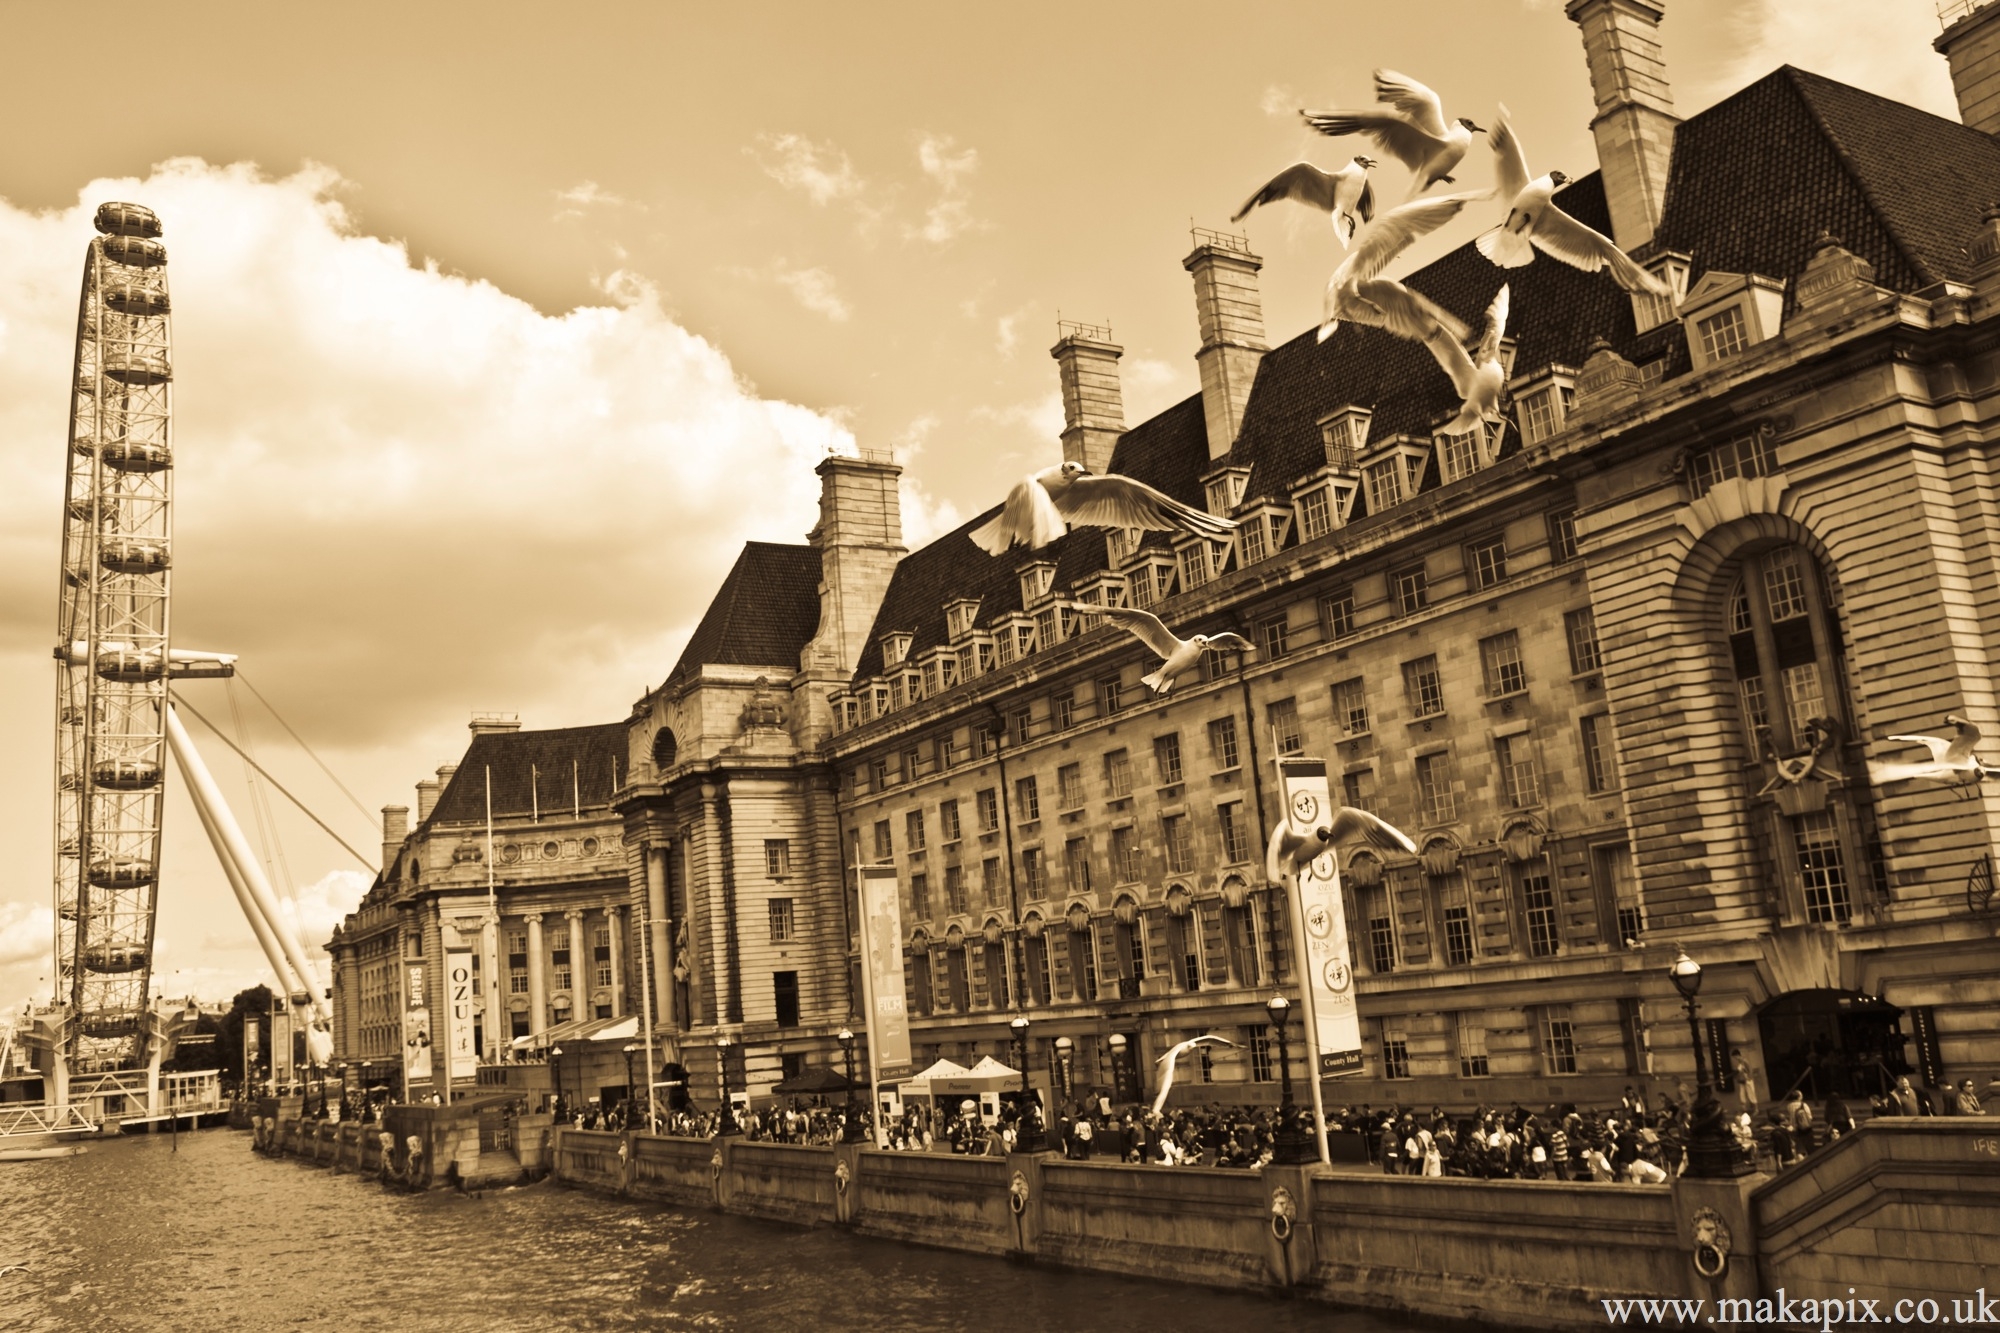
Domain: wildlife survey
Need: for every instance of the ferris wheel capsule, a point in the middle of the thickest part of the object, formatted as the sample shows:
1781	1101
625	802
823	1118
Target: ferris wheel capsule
137	456
130	666
125	774
133	297
133	555
115	219
137	367
121	872
134	251
116	957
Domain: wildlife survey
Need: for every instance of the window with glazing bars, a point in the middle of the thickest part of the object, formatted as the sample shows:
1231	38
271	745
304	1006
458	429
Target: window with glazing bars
1110	696
1822	867
1472	1058
1167	757
1027	799
777	857
1272	636
1350	707
920	896
1076	864
1235	833
1520	779
1315	514
990	888
1600	771
1395	1053
1558	1040
1336	613
1180	843
780	911
1125	855
1034	873
885	843
1752	455
1282	716
1580	628
1020	725
1500	662
948	820
1069	786
1118	774
1412	588
1723	334
1436	802
1358	790
1222	743
1538	907
988	800
1064	708
1250	544
1487	562
1562	535
1423	687
954	890
1381	929
913	830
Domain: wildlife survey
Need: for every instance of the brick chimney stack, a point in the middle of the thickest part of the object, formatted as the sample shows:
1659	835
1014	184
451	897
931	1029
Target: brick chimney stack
1635	120
1971	46
860	540
1230	311
395	828
1093	399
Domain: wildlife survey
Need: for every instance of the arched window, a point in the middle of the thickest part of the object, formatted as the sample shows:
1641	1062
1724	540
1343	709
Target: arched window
1782	648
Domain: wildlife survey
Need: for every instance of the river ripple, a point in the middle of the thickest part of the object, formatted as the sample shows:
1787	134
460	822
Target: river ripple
133	1235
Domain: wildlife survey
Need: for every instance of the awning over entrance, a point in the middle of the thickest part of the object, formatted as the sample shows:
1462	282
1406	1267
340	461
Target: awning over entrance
579	1029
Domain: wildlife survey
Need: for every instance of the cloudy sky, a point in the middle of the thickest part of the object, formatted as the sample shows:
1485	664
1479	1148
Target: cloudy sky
499	327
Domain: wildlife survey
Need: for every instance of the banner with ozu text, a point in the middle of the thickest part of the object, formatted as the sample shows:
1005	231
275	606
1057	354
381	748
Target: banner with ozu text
459	1012
882	945
1328	967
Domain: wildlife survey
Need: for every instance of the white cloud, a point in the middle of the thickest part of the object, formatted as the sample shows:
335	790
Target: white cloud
586	195
400	494
1279	100
948	167
1885	48
1006	333
820	171
814	288
1151	385
1041	417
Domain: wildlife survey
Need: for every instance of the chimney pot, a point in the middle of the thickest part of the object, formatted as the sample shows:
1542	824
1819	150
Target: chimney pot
860	541
1230	313
1093	399
395	828
1971	46
427	797
484	724
1635	120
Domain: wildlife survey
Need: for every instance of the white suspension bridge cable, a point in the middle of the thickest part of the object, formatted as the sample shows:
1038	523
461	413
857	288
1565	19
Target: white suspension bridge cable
269	842
180	700
366	813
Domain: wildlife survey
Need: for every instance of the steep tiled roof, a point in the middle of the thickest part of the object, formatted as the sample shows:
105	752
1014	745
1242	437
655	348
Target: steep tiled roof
764	614
1754	181
551	771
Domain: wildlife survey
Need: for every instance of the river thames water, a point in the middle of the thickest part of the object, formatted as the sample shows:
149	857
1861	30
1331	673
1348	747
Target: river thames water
135	1236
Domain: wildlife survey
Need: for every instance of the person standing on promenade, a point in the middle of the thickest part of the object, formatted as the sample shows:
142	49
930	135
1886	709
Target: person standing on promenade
1968	1100
1746	1081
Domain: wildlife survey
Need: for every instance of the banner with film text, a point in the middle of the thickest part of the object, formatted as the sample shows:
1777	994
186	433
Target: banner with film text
882	971
1328	966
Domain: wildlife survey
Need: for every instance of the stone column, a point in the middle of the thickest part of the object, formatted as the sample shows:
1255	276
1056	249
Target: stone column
612	917
657	926
582	969
538	991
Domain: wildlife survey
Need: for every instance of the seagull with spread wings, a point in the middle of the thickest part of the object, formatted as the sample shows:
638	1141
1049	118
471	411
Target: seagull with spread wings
1179	654
1345	196
1952	761
1409	125
1174	1053
1042	505
1357	290
1289	851
1535	223
1479	377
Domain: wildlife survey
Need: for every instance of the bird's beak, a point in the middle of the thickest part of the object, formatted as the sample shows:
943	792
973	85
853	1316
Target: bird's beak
1476	129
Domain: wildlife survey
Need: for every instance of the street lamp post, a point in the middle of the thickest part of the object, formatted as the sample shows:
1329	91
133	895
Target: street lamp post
851	1128
1711	1150
727	1124
1290	1146
1028	1138
555	1068
343	1092
1064	1046
631	1049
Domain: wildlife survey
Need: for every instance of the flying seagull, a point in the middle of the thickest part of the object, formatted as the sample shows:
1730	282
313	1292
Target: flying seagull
1041	504
1345	195
1358	292
1175	1053
1412	129
1952	761
1479	378
1534	223
1149	629
1289	851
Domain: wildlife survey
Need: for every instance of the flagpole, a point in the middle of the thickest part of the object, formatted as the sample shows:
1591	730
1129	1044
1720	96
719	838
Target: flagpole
646	1000
1303	966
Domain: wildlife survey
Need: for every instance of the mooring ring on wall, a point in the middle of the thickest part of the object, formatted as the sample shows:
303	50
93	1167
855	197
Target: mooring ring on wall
841	1175
1017	1193
1711	1242
1284	1210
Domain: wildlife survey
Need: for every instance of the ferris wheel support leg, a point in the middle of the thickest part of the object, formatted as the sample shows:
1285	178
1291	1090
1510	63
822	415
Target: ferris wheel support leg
240	867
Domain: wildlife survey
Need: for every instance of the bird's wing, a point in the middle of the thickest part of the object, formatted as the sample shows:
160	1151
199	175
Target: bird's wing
1962	743
1510	163
1411	98
1301	181
1148	628
1452	359
1366	205
1230	642
1278	853
1392	133
1210	1036
1940	748
1558	234
1122	502
1353	822
1883	774
1405	313
1016	519
1496	326
1392	233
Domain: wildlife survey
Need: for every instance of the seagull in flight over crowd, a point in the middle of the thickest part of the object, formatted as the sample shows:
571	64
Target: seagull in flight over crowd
1952	761
1041	505
1149	629
1535	223
1345	195
1173	1054
1358	292
1289	852
1412	129
1479	377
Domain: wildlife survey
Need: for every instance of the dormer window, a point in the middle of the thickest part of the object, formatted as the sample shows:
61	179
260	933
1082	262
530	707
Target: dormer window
895	647
1727	312
1121	544
1315	514
1650	311
1036	579
1251	540
1393	475
959	615
1344	436
1461	455
1223	489
878	701
1151	581
1196	565
1542	403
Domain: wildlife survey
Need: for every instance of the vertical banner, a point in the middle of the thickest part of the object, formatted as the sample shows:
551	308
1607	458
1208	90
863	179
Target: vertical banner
281	1045
1327	967
882	973
458	1016
416	1026
252	1031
